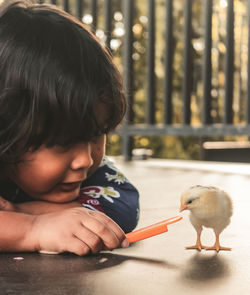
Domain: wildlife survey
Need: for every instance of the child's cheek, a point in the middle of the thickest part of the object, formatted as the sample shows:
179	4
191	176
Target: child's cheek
97	156
39	177
98	149
50	174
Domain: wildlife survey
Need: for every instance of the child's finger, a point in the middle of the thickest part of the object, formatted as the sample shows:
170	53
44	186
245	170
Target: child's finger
89	238
78	247
110	233
111	225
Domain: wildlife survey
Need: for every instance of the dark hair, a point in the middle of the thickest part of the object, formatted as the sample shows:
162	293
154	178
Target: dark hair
54	74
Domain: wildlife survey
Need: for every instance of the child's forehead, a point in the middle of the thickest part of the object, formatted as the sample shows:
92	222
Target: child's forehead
74	126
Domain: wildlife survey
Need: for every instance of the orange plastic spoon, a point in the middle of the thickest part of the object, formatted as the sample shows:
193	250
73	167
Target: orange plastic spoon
151	230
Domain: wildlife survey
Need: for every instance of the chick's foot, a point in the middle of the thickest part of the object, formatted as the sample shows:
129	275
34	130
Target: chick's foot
197	246
217	245
218	248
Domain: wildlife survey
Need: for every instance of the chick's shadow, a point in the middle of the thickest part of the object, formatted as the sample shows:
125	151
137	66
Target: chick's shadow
203	268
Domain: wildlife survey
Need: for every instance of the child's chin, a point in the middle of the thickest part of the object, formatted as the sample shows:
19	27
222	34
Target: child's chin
63	197
69	196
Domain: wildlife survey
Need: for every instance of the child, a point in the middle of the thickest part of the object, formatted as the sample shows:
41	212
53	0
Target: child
60	94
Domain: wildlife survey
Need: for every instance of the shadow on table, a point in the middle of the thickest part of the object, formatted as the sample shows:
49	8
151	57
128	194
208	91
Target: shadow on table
70	263
106	260
205	268
110	260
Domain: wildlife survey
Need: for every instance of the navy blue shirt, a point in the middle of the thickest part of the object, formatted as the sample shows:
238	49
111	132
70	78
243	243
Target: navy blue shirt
109	191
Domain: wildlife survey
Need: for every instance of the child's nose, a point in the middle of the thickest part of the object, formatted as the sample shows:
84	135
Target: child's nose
82	157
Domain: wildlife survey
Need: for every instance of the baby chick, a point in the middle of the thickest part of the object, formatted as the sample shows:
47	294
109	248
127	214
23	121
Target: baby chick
210	207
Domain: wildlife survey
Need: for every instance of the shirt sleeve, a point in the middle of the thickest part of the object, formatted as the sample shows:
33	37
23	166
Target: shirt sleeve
109	191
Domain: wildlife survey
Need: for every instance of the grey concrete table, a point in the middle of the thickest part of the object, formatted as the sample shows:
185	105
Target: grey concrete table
159	265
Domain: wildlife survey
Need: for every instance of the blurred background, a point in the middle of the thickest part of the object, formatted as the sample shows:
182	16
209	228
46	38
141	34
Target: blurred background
185	68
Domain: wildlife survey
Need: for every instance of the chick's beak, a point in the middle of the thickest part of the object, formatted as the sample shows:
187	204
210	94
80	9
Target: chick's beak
183	207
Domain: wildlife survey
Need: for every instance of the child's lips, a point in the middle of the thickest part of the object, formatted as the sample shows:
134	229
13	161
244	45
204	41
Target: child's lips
70	186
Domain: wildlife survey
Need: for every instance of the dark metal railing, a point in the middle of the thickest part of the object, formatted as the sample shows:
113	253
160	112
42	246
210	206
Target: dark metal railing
206	72
151	91
229	68
167	126
168	77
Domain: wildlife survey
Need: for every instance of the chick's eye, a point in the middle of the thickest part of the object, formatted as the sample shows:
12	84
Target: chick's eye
190	201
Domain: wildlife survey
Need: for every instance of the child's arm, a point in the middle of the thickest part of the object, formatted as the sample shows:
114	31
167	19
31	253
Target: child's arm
14	229
76	230
35	207
42	207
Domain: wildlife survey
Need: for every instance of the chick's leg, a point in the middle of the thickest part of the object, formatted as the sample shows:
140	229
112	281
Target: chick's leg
198	244
217	245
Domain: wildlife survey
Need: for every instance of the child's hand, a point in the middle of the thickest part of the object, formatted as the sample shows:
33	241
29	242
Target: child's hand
76	230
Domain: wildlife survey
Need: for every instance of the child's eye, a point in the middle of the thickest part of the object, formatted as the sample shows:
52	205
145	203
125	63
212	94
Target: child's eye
61	149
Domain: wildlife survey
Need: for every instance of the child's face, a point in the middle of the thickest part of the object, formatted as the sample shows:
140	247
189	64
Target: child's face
55	174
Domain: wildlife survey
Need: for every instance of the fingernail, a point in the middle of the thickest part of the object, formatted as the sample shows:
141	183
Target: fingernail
125	243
